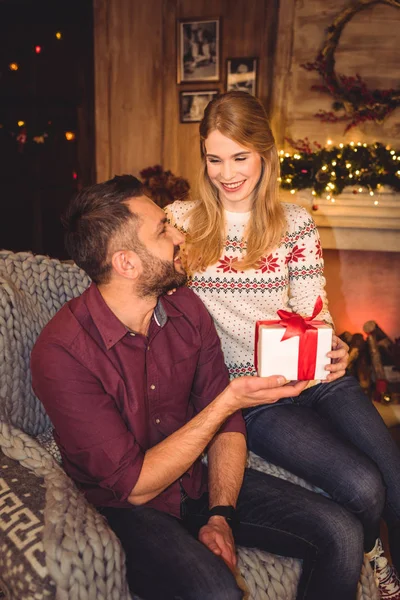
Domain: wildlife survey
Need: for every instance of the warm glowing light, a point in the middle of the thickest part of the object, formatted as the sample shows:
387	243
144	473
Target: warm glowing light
59	35
314	193
394	157
334	163
333	173
332	199
397	172
371	193
287	154
348	165
359	144
340	145
364	145
292	191
376	202
38	49
351	143
69	135
296	156
360	189
14	67
21	123
329	142
351	176
281	152
392	152
324	168
357	172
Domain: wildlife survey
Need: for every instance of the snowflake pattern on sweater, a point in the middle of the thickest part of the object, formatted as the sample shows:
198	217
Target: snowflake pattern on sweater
289	277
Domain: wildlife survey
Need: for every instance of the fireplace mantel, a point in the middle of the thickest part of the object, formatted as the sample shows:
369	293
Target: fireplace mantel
354	221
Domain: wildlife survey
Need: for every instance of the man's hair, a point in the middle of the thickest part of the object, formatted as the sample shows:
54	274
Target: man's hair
98	222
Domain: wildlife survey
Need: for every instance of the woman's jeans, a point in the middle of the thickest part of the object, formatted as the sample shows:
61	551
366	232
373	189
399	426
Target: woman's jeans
332	436
165	560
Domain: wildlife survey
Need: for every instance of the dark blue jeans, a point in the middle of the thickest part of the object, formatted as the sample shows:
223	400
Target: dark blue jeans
166	561
332	436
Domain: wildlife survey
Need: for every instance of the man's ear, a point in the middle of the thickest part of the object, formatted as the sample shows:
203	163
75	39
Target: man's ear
126	263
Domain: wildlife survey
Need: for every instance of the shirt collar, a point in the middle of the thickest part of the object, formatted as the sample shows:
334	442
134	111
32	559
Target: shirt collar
110	327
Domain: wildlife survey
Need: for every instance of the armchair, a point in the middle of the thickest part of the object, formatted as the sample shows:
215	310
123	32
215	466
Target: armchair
53	544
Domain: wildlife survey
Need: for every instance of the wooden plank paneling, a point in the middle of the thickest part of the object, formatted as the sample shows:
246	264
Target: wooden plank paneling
137	95
129	82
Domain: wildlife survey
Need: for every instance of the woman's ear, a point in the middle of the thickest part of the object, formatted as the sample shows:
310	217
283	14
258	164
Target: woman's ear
126	263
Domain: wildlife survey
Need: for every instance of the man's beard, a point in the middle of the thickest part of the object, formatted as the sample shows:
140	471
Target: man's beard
160	276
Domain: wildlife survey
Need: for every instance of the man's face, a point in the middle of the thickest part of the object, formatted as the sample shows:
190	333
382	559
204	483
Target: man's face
159	250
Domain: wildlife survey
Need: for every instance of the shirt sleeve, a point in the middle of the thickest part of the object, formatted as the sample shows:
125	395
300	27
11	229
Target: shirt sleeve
89	427
306	268
212	375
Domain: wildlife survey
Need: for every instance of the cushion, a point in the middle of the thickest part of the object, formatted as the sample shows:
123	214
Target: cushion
22	557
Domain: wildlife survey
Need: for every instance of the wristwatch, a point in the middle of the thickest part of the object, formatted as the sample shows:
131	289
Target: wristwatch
229	512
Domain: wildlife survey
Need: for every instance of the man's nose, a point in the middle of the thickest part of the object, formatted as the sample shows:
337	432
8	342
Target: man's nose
177	237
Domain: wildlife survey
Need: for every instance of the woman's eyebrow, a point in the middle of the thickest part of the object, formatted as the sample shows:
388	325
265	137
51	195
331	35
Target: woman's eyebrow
233	155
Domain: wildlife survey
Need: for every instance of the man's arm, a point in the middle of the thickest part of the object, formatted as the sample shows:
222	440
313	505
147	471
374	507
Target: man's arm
227	455
97	441
170	459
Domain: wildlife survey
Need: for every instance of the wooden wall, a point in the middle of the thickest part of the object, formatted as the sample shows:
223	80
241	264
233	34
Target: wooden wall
137	97
366	47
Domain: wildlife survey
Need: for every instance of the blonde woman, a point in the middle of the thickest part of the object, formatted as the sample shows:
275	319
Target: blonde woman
250	255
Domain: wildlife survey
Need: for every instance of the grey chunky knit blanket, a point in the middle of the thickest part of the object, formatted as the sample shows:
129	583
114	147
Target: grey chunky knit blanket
83	558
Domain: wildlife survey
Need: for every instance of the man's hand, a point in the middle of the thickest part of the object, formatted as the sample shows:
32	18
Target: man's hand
217	536
245	392
340	358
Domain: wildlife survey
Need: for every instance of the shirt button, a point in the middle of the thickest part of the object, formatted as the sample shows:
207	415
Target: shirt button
158	421
152	387
132	334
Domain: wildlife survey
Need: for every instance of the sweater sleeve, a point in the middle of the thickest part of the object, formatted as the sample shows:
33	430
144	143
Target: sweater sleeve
306	266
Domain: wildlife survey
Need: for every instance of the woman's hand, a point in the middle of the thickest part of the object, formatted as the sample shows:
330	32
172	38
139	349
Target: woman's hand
340	358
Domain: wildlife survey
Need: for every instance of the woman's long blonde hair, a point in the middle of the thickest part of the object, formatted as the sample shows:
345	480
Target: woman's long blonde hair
242	118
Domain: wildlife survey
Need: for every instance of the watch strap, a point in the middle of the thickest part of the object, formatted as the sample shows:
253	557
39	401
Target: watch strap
226	511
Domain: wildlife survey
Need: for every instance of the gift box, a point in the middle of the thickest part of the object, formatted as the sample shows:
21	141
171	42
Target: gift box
293	346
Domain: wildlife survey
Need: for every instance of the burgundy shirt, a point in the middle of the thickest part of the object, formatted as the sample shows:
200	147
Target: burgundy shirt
112	394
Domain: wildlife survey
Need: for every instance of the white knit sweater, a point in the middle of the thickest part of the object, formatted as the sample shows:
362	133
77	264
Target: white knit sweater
289	277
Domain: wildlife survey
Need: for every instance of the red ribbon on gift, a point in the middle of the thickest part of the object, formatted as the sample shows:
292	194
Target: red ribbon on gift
306	329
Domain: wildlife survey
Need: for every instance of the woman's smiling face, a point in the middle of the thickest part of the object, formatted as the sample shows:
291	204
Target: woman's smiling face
234	170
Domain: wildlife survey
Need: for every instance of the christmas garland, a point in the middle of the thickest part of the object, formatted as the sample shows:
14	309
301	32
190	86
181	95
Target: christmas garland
351	94
329	170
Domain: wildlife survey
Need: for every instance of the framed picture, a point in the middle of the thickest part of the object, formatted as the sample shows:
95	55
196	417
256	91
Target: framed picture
193	104
241	74
198	50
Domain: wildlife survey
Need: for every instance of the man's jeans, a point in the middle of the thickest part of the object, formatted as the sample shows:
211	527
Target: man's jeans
166	561
332	436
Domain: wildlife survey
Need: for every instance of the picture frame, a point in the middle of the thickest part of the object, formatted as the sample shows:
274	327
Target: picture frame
242	74
198	50
193	103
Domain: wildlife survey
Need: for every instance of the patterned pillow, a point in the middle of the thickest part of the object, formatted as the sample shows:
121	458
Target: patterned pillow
23	571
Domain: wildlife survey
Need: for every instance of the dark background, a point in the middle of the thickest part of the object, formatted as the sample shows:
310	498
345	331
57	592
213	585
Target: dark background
52	92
